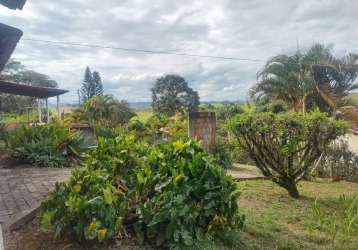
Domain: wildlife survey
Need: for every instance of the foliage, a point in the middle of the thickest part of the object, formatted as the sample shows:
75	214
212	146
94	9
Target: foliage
3	131
222	154
98	83
344	220
285	146
105	111
45	146
314	77
339	162
186	196
152	189
227	111
171	94
91	85
274	106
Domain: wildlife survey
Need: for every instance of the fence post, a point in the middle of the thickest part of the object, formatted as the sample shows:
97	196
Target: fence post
202	126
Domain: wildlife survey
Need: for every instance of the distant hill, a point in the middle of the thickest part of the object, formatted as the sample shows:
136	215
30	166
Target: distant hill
146	105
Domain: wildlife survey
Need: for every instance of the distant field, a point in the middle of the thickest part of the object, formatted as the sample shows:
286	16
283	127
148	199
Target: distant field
353	99
143	114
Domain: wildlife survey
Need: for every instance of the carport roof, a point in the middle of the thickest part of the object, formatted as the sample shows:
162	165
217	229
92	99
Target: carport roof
26	90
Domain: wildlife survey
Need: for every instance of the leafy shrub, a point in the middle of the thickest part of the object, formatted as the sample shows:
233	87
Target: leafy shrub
186	196
105	111
228	110
88	207
274	106
3	131
172	194
222	154
339	162
45	146
285	146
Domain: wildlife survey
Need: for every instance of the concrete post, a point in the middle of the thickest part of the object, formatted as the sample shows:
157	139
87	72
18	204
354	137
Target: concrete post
202	126
58	108
47	112
39	109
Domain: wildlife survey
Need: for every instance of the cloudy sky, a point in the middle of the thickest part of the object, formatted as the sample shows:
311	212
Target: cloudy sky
255	29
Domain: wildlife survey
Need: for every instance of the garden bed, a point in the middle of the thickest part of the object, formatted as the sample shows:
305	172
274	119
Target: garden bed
31	237
273	221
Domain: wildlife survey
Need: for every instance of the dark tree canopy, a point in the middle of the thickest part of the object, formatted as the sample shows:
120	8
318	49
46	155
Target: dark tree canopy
285	146
91	85
98	83
171	94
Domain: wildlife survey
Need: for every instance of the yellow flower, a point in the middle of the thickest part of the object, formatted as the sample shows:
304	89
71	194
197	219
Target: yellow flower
179	178
179	145
102	234
77	188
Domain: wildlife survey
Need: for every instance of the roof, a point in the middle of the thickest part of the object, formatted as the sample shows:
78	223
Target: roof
13	4
26	90
9	36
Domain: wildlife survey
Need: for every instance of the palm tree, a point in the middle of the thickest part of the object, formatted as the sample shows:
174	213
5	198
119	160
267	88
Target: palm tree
316	76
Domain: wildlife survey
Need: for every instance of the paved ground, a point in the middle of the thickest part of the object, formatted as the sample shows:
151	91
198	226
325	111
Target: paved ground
353	142
23	188
244	172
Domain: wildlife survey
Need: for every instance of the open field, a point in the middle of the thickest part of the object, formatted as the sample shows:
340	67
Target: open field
353	99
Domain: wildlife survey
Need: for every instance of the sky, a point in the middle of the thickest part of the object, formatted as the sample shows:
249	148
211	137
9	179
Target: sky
228	28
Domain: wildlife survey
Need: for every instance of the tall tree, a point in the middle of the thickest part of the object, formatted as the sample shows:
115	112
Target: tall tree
98	83
171	94
315	76
88	89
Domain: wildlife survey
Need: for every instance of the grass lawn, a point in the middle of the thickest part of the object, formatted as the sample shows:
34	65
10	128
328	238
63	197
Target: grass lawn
143	114
276	221
353	99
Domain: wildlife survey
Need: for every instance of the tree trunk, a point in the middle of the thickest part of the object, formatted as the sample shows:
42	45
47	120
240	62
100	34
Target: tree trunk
291	188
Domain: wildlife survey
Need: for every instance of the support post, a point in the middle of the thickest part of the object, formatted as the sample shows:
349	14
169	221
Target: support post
39	110
47	112
58	108
202	126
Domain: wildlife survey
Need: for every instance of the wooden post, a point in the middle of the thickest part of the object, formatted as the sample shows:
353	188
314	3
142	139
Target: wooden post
58	108
47	112
202	126
39	110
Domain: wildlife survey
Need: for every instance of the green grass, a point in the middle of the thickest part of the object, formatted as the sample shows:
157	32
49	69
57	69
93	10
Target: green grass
353	99
276	221
143	114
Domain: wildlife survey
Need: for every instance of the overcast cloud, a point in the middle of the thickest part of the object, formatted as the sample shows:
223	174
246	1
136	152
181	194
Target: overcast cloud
230	28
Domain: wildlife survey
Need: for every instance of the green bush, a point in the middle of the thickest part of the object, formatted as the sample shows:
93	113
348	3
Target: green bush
285	146
45	146
171	195
187	196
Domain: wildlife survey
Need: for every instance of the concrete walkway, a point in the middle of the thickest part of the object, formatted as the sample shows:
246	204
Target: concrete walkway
242	172
23	188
